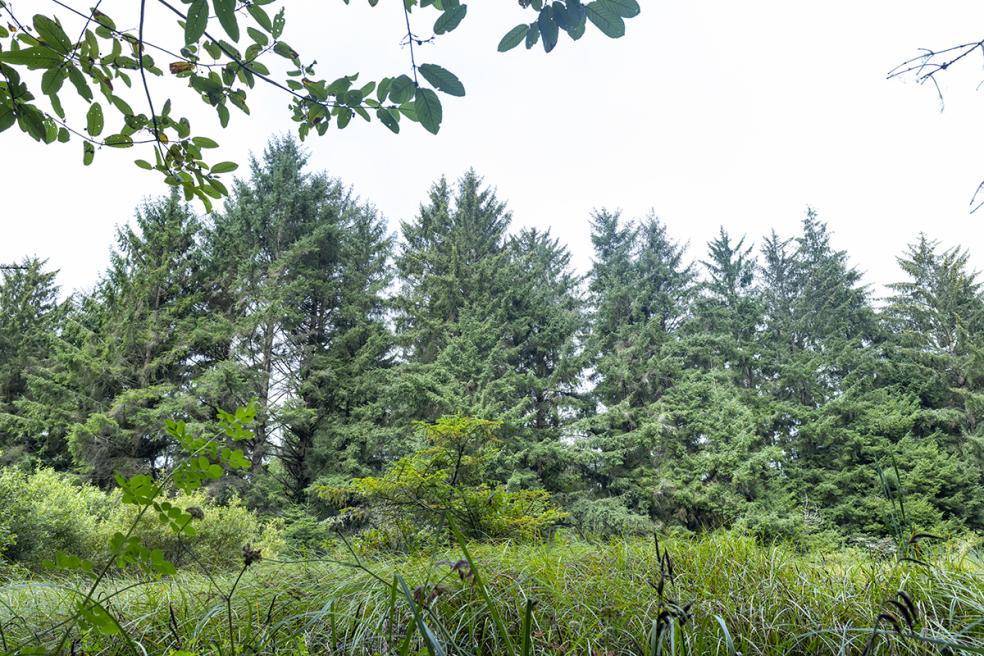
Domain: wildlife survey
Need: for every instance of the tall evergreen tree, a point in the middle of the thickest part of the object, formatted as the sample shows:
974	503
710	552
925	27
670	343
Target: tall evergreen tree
545	328
338	425
30	321
452	307
147	309
299	269
641	292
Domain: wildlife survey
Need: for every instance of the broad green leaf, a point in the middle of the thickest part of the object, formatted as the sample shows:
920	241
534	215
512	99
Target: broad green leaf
7	117
34	58
533	35
94	120
513	37
119	141
624	8
259	37
88	153
204	142
144	164
401	90
260	16
428	108
78	81
197	21
387	119
606	19
450	19
52	33
224	167
52	80
548	29
225	10
442	79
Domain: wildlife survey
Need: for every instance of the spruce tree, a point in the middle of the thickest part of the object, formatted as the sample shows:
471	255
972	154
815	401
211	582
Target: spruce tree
451	308
641	295
31	318
141	359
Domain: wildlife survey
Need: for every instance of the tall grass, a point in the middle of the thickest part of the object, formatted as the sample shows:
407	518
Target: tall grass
718	594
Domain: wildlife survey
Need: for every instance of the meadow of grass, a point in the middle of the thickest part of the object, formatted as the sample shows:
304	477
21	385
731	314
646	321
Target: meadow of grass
717	594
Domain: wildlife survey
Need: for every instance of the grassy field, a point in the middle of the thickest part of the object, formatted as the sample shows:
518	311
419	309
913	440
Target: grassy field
718	594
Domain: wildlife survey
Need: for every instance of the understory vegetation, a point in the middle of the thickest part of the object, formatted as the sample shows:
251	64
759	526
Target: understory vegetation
280	429
720	594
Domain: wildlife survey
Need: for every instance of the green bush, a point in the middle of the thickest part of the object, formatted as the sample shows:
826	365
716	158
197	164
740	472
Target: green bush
46	512
220	534
408	505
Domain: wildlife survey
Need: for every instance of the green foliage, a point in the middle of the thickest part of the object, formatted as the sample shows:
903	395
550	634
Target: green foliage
221	53
757	388
410	503
220	534
769	600
46	512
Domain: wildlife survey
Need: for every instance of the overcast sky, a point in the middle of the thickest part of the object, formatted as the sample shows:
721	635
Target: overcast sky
709	113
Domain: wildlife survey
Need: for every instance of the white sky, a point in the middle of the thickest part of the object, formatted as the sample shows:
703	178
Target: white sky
708	112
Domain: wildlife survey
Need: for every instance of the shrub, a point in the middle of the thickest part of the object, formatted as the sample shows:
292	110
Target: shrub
220	533
408	504
45	512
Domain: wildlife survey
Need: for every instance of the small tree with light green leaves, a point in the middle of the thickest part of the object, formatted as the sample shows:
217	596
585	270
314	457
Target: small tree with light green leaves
408	506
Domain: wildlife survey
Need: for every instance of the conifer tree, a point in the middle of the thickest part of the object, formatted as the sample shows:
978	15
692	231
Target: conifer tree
641	292
30	320
144	318
545	327
451	309
300	267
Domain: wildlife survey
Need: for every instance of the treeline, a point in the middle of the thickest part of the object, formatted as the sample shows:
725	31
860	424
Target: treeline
763	387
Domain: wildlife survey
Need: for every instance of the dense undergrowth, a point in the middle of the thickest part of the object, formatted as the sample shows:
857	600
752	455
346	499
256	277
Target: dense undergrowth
722	593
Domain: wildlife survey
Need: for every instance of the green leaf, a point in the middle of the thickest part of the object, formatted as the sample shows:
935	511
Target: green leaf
428	108
450	19
52	33
7	117
401	90
260	16
387	119
204	142
52	80
119	141
144	164
533	35
257	36
224	167
226	12
78	81
513	37
624	8
548	29
606	19
34	58
197	21
88	153
94	120
278	24
442	79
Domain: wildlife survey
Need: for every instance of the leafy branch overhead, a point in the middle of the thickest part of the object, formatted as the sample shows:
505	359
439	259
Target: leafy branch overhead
76	73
